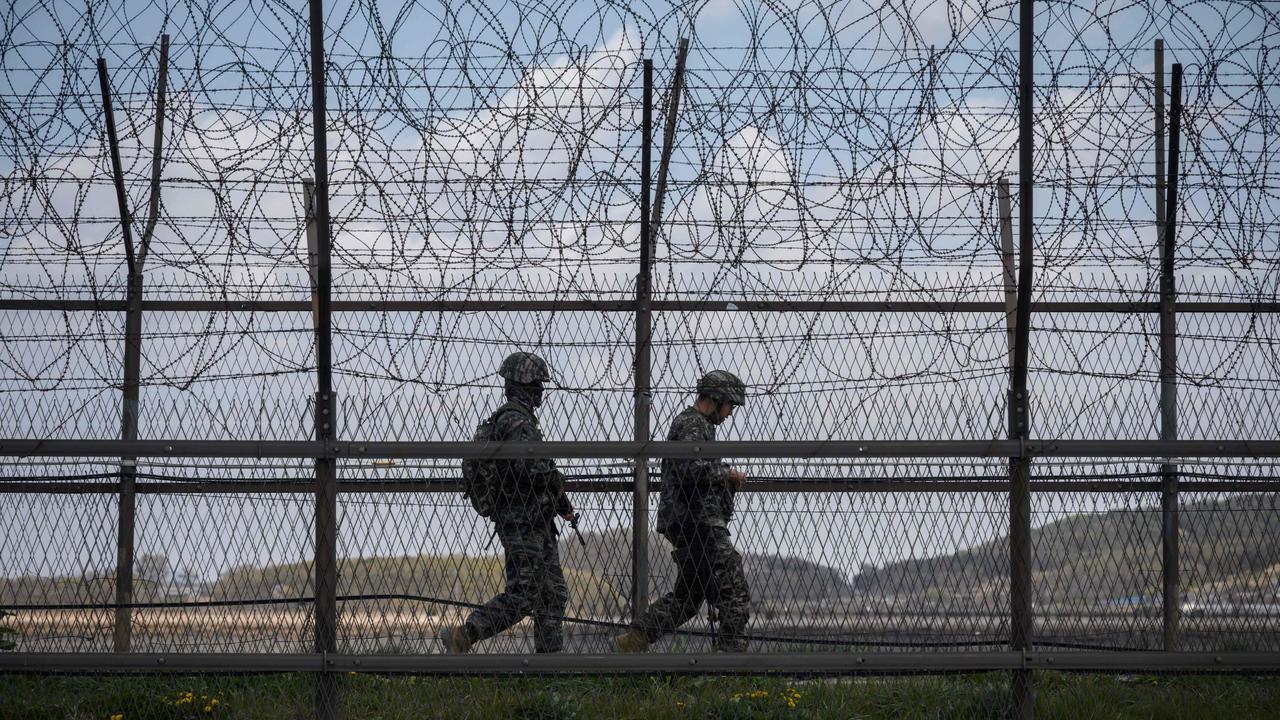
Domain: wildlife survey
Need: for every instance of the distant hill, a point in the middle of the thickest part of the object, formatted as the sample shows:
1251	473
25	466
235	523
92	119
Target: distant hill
1229	548
449	577
599	576
772	577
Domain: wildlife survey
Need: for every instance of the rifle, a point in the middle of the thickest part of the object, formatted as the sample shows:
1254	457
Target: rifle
573	523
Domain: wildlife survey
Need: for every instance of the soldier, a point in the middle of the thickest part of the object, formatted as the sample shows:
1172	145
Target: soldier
531	493
693	514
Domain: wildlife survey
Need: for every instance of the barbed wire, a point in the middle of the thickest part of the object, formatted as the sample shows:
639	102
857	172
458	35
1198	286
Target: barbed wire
483	151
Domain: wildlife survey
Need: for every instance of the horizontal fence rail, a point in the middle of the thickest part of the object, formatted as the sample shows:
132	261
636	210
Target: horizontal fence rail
655	449
688	664
801	306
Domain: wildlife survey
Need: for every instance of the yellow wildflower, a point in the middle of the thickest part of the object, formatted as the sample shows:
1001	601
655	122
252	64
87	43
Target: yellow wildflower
792	697
118	716
214	702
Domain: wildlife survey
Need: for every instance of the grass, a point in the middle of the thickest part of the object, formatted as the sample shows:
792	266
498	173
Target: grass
379	697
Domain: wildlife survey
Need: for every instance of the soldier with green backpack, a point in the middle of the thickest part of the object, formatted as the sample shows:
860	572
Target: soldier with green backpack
522	498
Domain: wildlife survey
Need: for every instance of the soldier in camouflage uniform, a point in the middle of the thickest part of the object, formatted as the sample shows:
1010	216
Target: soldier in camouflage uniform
693	513
532	495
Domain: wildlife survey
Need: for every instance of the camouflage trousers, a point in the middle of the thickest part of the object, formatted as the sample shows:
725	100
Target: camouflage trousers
534	586
708	568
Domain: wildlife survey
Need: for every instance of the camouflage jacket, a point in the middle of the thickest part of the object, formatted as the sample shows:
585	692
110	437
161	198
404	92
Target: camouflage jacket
533	489
695	491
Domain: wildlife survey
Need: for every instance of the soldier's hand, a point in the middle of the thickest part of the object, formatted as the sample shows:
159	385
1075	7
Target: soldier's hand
570	515
737	477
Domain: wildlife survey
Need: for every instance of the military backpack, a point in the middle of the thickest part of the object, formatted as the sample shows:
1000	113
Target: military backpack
481	482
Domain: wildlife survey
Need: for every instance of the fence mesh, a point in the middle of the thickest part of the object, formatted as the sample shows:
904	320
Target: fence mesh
830	230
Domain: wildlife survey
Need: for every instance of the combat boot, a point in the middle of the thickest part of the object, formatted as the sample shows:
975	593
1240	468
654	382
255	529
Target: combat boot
631	641
456	639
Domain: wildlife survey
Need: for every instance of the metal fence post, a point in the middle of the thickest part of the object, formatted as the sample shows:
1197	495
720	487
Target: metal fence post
668	137
126	513
644	393
326	564
1022	687
650	220
1010	266
1168	371
1169	590
122	632
1160	168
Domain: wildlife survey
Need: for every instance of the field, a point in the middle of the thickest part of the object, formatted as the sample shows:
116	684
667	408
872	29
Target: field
287	697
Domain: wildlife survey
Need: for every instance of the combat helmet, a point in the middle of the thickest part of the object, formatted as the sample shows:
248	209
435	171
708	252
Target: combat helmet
524	368
723	386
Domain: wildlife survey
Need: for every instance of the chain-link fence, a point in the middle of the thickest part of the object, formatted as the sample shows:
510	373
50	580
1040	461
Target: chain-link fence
1011	367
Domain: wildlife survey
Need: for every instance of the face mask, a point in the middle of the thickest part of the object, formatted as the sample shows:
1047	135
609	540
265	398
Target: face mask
530	394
